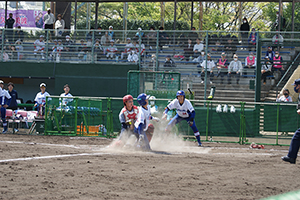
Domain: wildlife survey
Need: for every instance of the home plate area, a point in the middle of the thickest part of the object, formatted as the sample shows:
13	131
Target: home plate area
56	167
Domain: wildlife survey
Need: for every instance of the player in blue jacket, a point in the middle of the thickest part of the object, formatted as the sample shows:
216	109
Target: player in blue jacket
142	124
4	101
185	111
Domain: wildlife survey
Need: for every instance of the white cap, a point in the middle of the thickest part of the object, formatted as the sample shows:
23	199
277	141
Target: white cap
110	27
128	39
42	84
139	29
41	36
112	41
48	9
1	82
67	36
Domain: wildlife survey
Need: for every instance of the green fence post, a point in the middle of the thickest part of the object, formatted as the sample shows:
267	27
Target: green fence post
207	120
242	124
75	121
46	116
277	123
109	117
93	42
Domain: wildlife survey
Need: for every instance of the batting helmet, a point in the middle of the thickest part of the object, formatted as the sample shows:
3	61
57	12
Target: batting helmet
126	98
180	93
141	99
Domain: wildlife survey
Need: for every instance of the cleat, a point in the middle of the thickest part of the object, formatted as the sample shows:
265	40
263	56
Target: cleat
200	145
288	159
16	130
4	131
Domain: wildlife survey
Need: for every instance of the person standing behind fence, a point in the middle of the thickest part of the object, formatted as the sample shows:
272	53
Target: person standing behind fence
49	20
9	24
59	26
209	65
286	96
14	96
5	101
266	69
295	142
245	28
234	68
222	66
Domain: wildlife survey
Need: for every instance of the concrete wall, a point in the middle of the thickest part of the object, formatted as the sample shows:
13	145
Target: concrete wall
84	79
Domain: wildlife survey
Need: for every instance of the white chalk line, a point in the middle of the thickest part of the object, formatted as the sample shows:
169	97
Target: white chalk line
54	156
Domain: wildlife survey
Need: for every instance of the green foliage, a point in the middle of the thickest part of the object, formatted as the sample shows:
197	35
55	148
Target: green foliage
135	24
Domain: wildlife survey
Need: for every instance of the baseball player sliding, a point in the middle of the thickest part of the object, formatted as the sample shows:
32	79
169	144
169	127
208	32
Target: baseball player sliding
142	123
185	111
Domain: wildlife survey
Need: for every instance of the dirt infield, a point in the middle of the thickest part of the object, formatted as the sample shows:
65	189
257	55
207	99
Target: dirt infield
53	167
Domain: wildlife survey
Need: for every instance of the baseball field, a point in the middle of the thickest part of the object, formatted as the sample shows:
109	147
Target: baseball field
56	167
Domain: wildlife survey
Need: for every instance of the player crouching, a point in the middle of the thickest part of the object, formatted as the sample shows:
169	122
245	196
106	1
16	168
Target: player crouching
127	117
142	124
185	111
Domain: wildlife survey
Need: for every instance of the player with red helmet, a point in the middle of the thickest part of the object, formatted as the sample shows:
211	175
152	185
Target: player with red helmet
127	118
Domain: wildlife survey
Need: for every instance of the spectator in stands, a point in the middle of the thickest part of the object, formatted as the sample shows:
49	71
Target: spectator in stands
252	39
151	37
9	25
105	39
140	33
110	32
111	50
128	48
188	50
40	100
270	53
19	49
49	20
13	105
230	46
89	35
152	63
169	63
66	101
234	68
250	62
209	67
54	50
98	33
266	69
222	66
59	26
245	28
5	55
277	39
163	37
218	46
39	46
193	34
200	60
60	46
286	96
82	50
136	47
1	39
97	49
68	46
277	63
19	34
39	21
198	47
12	53
133	57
